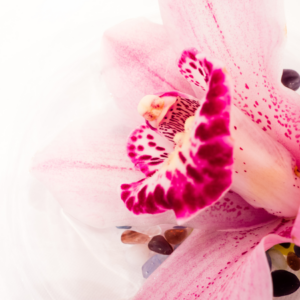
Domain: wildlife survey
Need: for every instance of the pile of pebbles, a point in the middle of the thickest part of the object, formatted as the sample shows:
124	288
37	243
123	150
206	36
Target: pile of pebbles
161	241
284	262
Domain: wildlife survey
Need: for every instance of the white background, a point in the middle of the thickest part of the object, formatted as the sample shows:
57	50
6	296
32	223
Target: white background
49	76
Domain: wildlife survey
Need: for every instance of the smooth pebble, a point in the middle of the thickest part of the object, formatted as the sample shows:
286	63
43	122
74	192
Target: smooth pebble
152	264
278	260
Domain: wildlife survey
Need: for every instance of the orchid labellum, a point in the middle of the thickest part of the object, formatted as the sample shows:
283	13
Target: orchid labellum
203	134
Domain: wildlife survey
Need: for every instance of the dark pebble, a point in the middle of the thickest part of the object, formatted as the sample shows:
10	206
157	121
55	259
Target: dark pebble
269	260
290	79
123	227
297	250
284	283
293	261
159	245
285	245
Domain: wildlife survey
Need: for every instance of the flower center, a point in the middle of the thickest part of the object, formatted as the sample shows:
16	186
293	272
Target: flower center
153	108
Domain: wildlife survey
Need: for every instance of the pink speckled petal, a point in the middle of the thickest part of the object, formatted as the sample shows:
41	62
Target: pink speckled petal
84	166
199	172
263	169
194	71
139	60
218	265
147	149
230	212
248	38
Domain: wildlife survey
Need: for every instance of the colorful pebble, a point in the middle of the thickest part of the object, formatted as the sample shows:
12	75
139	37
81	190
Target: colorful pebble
297	250
290	79
283	249
159	245
293	261
285	245
123	227
284	283
175	236
133	237
152	264
277	258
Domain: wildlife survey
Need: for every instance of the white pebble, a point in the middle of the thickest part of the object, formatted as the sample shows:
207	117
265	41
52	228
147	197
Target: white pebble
278	260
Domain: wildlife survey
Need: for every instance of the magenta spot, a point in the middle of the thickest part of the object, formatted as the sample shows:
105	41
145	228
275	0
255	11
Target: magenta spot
181	156
160	148
139	136
145	157
193	173
154	163
125	186
241	148
246	86
152	144
193	65
140	147
235	127
131	154
131	147
125	195
188	70
216	153
192	56
150	137
129	203
159	197
200	71
133	138
217	127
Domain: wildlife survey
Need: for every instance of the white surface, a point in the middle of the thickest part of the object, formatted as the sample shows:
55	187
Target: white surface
49	68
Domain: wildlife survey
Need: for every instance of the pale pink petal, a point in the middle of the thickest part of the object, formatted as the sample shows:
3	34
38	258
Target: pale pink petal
139	61
230	212
248	38
263	169
84	166
198	172
218	265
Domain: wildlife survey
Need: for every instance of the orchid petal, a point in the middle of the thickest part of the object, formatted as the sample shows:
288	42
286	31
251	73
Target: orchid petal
233	266
198	172
230	212
84	166
248	38
139	60
263	169
147	149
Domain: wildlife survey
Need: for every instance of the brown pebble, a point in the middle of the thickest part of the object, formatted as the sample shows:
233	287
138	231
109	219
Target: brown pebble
175	236
133	237
293	261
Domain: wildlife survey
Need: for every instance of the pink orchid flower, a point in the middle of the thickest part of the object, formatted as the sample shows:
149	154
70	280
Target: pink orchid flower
250	180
